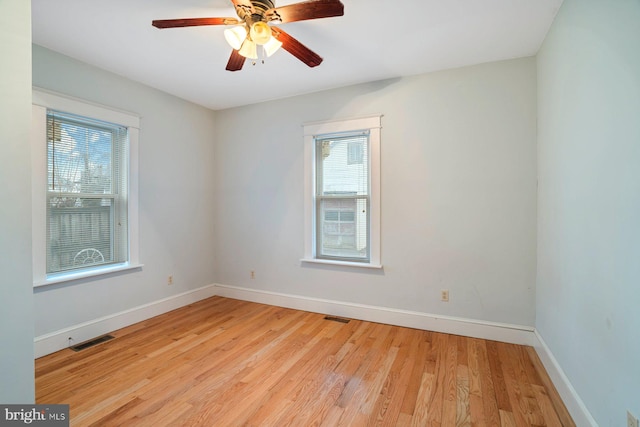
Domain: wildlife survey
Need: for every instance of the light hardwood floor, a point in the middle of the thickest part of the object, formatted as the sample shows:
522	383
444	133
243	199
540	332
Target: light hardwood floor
224	362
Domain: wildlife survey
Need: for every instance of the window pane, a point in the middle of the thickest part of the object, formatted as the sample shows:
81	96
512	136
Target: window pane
79	158
338	173
79	233
343	232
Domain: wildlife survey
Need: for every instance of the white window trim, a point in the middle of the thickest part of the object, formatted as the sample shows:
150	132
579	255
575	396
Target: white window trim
43	100
373	124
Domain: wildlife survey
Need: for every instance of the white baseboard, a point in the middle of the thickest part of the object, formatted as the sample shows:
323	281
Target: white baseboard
58	340
579	412
515	334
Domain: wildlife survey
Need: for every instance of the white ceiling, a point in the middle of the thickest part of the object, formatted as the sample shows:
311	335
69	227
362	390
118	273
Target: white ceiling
374	40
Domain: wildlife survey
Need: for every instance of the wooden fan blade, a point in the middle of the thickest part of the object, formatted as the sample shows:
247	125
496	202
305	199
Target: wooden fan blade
236	61
296	48
311	9
193	22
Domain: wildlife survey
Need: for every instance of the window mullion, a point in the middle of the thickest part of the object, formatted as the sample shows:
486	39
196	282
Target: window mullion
82	195
339	197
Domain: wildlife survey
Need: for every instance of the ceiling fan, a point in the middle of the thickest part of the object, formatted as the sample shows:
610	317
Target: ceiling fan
252	29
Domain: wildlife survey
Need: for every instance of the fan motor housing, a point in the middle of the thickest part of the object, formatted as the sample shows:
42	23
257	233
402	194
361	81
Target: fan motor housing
260	7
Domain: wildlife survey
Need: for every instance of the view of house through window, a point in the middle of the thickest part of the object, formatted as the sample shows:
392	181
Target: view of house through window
342	196
86	193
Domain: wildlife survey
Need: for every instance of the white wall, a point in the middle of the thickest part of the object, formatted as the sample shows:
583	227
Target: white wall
176	204
458	194
588	297
16	300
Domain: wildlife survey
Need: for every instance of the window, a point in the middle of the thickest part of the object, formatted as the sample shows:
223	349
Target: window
86	193
342	203
84	189
342	197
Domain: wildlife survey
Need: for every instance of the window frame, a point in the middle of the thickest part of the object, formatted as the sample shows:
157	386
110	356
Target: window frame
372	125
41	102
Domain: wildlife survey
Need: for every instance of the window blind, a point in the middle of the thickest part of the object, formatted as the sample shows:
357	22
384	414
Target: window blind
86	193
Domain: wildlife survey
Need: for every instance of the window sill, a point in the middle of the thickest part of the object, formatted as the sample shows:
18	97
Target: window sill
341	263
69	277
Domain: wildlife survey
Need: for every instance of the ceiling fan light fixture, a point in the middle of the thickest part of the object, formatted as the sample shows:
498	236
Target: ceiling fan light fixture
235	36
260	32
272	46
249	49
252	28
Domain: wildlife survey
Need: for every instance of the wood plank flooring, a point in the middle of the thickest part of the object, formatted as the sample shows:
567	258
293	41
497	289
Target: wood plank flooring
224	362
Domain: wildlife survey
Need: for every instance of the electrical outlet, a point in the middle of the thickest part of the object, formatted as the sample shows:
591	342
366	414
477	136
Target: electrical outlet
631	420
170	280
253	274
444	295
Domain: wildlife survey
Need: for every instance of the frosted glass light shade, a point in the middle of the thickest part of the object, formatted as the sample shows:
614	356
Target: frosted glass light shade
260	32
272	46
249	50
235	36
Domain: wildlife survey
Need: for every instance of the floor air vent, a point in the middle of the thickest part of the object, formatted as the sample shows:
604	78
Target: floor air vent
91	343
336	319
